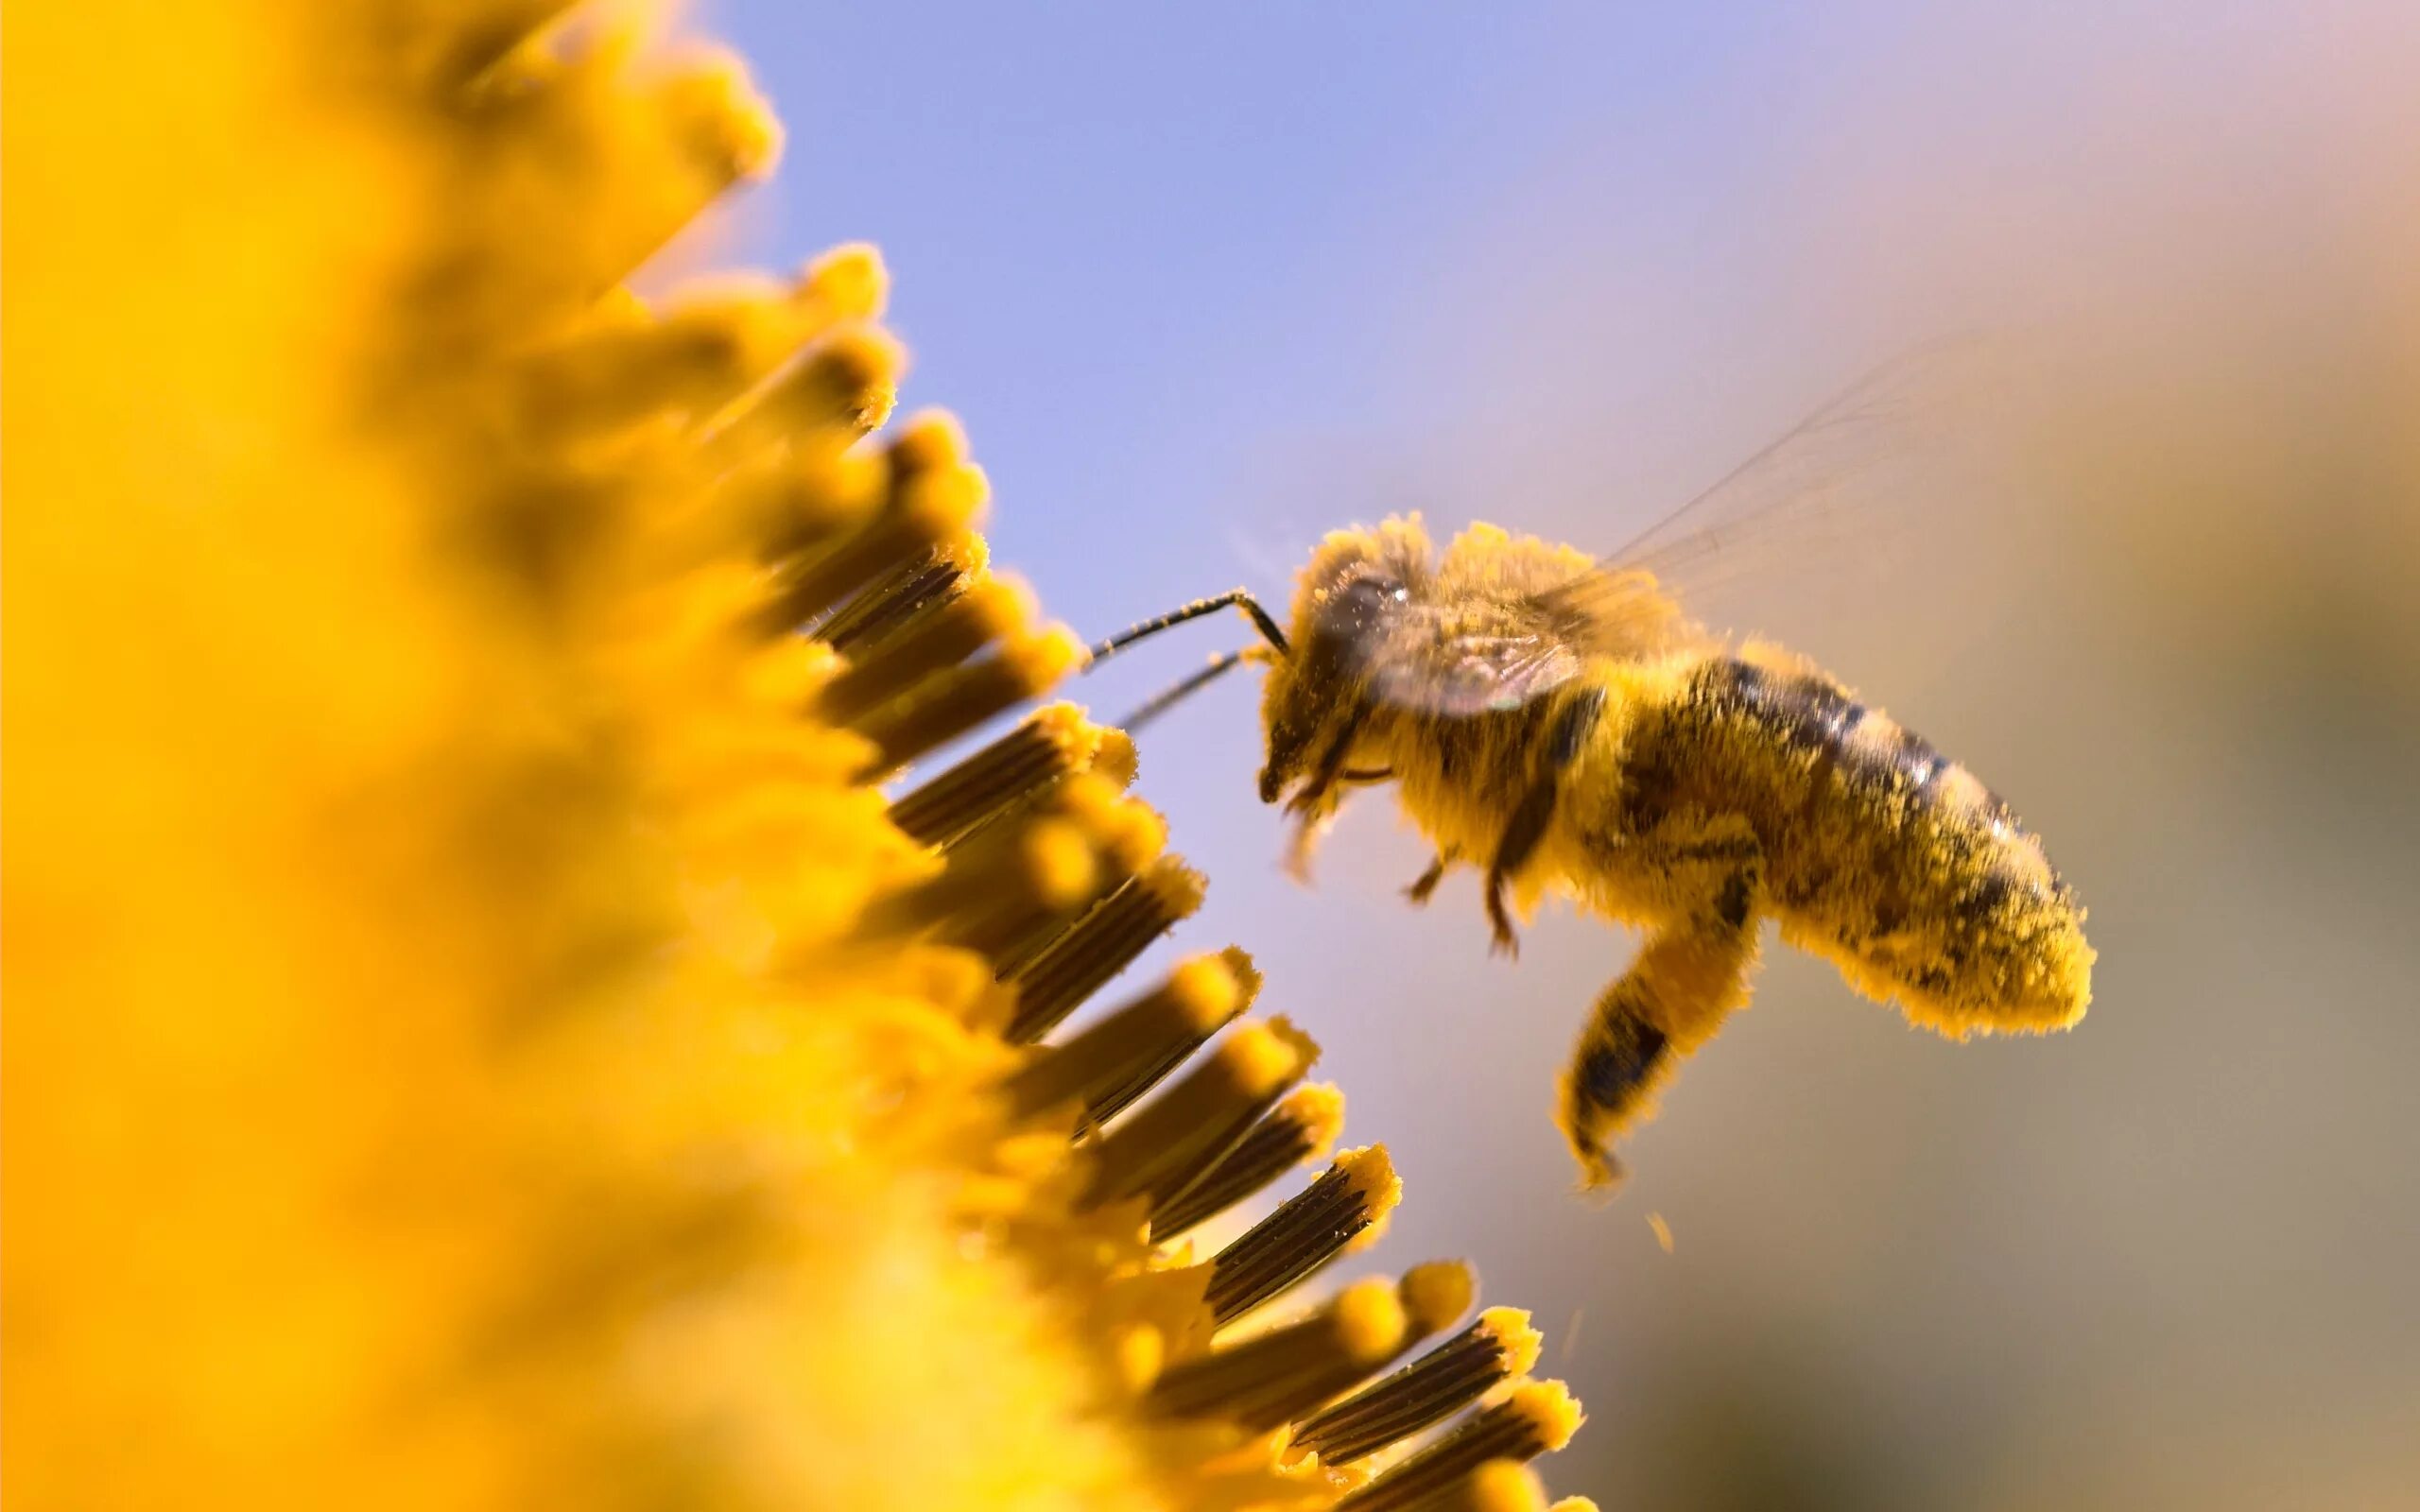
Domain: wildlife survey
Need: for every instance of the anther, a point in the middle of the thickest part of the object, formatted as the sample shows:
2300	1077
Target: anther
1154	1032
928	442
1111	769
917	517
1300	1130
1499	1346
719	339
1117	759
947	706
1014	887
899	597
1099	945
834	392
1132	834
806	498
1371	1324
788	503
1345	1209
1536	1417
1268	1381
933	497
620	368
1053	743
1437	1292
987	610
1499	1485
1170	1143
987	897
724	133
1113	1097
710	109
1127	837
848	283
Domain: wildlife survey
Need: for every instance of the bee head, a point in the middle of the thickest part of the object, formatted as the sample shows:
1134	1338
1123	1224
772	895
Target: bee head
1343	602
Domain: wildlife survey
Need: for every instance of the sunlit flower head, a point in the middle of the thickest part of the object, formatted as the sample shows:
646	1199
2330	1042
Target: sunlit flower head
513	999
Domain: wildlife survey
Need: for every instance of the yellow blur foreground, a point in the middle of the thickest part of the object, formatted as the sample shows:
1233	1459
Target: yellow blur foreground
476	1034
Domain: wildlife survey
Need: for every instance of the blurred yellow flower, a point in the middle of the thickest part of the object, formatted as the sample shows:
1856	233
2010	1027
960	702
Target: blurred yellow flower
480	1033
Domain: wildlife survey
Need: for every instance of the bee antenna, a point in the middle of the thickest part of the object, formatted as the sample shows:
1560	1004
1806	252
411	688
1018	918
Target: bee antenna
1237	598
1168	697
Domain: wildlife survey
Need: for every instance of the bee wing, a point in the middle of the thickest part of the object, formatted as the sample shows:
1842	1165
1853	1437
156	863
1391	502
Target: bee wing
1880	487
1879	492
1426	664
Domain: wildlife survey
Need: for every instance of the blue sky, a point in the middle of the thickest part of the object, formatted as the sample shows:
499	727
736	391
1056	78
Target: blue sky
1159	263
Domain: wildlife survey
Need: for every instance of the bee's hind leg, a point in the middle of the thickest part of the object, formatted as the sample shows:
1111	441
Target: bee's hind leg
1687	979
1573	724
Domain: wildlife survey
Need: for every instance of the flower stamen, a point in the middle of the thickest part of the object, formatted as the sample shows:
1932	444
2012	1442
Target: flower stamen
1054	742
987	897
903	595
1533	1419
1499	1346
1340	1211
1499	1485
1265	1381
1168	1144
983	610
947	706
934	496
1126	835
1099	945
1138	1043
1299	1130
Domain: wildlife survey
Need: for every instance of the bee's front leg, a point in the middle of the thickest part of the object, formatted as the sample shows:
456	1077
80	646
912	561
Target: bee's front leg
1315	802
1424	886
1573	724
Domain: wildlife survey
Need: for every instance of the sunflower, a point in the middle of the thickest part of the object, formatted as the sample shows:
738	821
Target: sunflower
504	1008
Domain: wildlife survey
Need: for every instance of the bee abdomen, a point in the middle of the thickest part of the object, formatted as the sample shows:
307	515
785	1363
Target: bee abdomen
1882	854
1808	711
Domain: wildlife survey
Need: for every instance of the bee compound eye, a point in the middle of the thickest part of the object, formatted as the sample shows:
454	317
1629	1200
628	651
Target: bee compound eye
1368	597
1356	606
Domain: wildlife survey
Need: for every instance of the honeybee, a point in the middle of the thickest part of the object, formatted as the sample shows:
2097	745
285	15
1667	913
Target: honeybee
1560	724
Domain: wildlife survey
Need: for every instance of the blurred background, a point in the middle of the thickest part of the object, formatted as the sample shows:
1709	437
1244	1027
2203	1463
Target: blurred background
1204	287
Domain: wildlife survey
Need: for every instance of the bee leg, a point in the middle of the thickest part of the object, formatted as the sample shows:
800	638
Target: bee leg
1310	827
1573	724
1317	794
1520	839
1314	805
1689	977
1424	887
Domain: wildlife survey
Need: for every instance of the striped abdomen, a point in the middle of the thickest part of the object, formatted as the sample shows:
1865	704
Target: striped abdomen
1880	852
